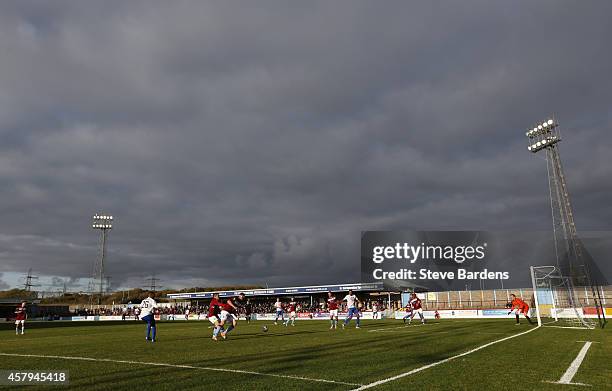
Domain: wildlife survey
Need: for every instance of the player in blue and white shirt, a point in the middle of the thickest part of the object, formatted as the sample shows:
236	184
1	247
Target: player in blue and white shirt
351	303
147	314
279	311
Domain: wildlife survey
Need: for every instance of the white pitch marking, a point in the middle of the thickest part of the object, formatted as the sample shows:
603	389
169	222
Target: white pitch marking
386	328
489	332
569	327
177	366
416	370
413	331
400	327
573	368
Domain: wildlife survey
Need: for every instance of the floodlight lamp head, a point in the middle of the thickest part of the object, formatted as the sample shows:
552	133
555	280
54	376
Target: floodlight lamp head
544	129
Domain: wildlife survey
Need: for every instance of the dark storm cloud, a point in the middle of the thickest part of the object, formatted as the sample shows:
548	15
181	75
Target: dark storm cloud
243	143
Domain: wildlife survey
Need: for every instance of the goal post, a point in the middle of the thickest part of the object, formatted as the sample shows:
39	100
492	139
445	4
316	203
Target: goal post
557	299
535	297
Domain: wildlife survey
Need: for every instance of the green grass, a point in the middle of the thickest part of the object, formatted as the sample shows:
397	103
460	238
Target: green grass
311	350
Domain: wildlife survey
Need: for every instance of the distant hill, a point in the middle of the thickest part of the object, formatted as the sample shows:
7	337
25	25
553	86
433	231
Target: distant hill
17	294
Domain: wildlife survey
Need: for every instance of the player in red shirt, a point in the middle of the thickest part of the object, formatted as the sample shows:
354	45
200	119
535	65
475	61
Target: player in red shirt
229	312
332	306
20	318
292	308
417	308
521	308
409	313
214	309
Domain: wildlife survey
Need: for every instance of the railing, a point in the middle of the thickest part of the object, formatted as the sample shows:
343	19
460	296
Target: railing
498	298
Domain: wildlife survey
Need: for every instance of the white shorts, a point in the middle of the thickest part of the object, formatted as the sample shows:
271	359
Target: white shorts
213	319
333	312
19	321
226	315
419	311
292	314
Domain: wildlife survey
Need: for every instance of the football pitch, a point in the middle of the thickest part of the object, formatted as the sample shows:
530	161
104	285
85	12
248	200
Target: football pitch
381	355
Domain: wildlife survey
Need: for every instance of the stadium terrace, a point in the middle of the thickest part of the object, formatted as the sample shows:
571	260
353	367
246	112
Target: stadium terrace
316	289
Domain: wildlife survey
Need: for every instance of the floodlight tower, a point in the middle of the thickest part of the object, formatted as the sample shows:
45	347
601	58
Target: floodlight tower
104	223
545	136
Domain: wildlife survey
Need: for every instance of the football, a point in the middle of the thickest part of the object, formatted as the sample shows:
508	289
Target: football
264	328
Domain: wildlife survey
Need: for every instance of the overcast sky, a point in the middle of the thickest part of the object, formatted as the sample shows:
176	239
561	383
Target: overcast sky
252	141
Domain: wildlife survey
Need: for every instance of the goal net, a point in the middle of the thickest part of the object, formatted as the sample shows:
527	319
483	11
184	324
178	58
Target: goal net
560	301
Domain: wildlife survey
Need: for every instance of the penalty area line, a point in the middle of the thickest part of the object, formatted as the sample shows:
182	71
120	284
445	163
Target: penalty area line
569	327
157	364
573	368
401	327
416	370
